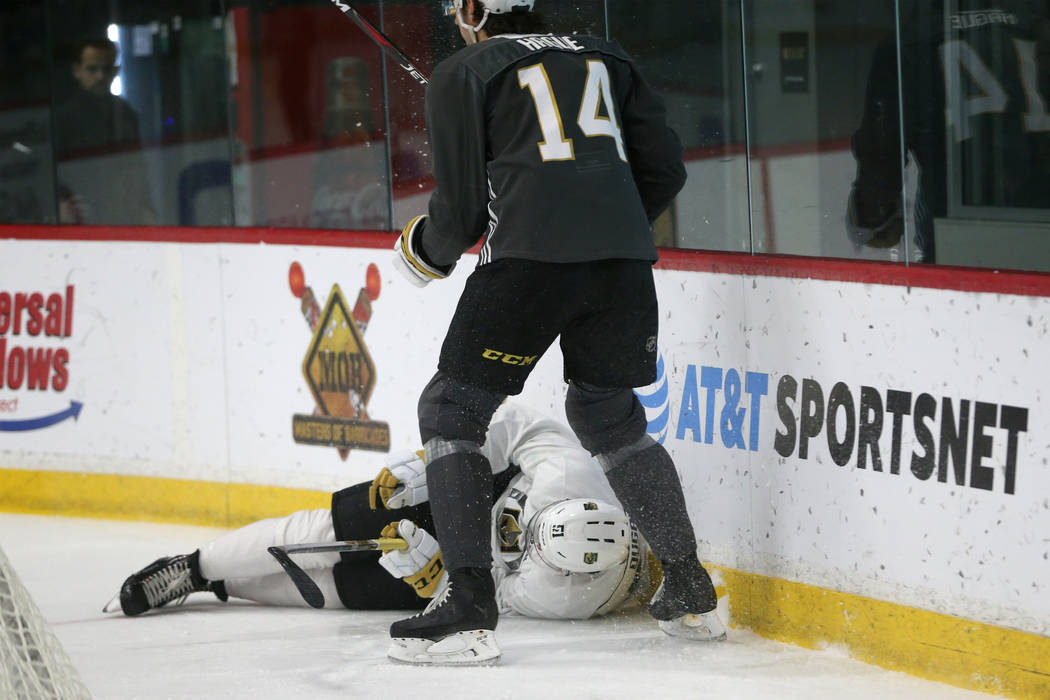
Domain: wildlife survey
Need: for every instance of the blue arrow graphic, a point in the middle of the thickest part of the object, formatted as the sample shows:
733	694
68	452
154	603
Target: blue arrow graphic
44	421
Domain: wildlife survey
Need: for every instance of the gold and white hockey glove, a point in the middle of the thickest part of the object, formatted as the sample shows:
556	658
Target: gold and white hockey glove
409	260
402	482
420	564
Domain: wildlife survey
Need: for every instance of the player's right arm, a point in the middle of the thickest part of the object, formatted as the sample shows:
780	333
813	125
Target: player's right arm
458	209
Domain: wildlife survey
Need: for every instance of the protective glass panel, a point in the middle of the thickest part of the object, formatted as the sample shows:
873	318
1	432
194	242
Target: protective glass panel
690	53
140	112
309	126
977	127
822	115
426	36
27	186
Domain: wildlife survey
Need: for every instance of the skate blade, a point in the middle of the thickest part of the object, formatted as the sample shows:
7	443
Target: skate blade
109	607
471	648
705	627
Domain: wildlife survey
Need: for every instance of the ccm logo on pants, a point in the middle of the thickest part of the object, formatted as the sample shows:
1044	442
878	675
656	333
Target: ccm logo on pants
490	354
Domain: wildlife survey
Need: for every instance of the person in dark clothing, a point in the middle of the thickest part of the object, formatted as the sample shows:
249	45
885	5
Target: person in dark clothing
555	153
99	147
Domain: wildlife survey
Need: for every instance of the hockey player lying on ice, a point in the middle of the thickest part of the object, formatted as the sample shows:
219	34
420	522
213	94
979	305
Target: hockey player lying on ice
544	484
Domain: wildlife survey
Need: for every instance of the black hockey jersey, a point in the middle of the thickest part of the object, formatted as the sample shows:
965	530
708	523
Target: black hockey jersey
549	148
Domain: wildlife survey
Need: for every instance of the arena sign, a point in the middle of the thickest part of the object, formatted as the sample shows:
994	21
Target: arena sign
339	371
954	438
27	365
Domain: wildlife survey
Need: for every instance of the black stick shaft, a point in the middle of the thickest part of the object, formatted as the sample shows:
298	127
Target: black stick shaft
384	43
382	543
306	586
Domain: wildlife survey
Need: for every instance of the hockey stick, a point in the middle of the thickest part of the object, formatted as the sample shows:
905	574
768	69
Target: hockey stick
303	583
384	43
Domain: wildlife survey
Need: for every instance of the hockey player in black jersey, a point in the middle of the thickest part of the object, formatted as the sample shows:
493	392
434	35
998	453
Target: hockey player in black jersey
555	154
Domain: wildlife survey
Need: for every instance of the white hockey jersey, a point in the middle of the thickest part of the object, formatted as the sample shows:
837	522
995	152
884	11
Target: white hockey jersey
554	467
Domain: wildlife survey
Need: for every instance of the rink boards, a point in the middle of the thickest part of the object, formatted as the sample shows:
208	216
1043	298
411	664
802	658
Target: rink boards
862	446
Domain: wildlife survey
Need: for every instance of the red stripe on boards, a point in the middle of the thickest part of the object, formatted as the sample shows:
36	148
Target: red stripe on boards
792	266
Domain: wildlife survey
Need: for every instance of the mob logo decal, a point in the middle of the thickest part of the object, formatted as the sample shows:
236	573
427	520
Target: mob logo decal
339	370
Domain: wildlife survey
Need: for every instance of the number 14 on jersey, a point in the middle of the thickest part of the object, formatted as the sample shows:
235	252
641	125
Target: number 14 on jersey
597	93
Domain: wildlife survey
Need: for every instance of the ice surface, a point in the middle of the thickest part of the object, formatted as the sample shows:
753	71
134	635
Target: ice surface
207	649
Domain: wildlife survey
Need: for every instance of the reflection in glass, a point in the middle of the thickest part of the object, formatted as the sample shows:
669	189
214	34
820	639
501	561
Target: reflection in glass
690	53
428	36
310	127
973	97
26	181
151	147
806	95
283	113
101	170
995	69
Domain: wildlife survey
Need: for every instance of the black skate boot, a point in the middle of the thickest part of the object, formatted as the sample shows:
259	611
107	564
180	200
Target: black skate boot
457	628
685	602
165	580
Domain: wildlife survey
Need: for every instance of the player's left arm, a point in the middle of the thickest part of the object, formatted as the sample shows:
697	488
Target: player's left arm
653	148
535	590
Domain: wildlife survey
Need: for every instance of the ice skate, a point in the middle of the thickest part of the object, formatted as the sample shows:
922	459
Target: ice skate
165	580
684	604
456	629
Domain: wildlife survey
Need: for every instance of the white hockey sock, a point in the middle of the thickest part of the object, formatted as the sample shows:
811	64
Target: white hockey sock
278	589
242	553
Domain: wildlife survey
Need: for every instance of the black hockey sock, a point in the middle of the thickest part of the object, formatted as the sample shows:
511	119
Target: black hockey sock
648	486
459	486
219	589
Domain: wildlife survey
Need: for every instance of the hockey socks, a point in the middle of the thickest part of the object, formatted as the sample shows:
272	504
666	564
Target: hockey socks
459	486
647	485
645	480
456	629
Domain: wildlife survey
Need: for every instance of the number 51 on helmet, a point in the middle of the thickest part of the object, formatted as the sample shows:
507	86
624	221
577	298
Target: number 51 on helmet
581	535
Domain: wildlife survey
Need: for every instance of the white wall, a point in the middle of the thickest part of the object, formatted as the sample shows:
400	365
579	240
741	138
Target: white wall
188	359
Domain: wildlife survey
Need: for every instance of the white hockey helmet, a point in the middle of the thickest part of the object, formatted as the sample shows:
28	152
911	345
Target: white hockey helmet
495	7
491	7
581	535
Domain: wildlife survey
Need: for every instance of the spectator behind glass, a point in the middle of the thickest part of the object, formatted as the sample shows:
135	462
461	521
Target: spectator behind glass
101	167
